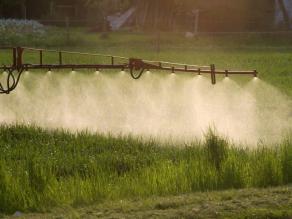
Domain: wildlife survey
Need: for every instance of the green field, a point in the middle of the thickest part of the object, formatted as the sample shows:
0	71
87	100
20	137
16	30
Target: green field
240	203
43	169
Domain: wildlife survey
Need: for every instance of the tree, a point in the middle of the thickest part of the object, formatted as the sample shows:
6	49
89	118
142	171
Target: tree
24	8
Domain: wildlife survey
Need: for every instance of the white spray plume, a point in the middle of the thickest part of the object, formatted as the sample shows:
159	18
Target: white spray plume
163	106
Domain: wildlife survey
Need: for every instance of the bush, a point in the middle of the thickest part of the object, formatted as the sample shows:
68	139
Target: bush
13	31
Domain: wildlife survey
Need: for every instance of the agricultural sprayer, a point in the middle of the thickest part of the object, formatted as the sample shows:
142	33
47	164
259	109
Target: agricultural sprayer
135	66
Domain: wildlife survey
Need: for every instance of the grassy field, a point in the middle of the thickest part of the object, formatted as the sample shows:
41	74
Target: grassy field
42	169
246	203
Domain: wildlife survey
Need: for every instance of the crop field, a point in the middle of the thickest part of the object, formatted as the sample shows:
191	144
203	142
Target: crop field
74	140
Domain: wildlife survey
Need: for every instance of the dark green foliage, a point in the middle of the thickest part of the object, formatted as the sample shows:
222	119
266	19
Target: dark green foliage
153	14
4	186
287	161
216	148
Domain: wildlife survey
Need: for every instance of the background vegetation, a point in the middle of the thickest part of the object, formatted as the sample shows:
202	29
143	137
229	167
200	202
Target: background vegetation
168	15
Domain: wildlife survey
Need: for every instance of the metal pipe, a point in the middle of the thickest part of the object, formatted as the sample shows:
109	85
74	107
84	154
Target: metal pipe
213	74
172	70
41	57
19	57
60	58
72	66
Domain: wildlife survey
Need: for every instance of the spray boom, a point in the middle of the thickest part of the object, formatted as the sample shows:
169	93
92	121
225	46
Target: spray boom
136	66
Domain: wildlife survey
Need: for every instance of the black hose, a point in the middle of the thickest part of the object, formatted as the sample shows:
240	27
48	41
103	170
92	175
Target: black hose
11	81
136	76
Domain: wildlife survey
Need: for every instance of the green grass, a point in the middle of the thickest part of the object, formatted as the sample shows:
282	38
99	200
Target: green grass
268	203
41	169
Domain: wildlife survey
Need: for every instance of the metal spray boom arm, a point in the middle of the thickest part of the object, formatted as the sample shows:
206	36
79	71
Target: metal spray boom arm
135	66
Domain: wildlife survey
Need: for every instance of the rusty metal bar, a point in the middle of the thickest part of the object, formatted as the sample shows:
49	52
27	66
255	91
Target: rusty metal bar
207	71
76	53
19	57
60	58
232	72
41	57
213	74
74	66
172	70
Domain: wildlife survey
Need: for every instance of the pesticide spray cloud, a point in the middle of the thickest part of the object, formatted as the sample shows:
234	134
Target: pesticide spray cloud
164	106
